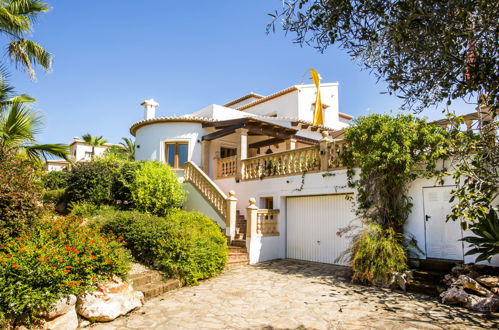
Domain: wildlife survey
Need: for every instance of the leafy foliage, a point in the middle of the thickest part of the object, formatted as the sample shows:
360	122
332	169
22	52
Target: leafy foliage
486	241
377	254
52	259
428	51
53	197
474	166
185	245
20	195
156	189
91	182
55	180
390	152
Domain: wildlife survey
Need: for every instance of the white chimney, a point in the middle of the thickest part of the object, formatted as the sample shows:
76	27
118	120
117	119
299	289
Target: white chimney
149	108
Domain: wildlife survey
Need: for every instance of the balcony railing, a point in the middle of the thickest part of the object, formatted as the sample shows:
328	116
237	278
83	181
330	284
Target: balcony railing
266	224
226	167
281	164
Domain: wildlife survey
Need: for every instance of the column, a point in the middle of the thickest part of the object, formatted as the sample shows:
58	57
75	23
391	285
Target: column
242	151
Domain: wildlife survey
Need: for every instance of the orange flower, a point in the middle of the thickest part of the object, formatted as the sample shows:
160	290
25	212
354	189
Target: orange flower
68	267
110	262
8	256
66	271
92	256
41	258
15	266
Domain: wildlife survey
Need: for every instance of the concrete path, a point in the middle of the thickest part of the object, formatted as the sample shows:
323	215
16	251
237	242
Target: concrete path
288	294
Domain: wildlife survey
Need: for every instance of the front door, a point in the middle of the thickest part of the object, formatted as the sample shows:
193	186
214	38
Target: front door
442	238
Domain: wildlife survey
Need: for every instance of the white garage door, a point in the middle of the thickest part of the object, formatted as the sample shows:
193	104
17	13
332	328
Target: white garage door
312	226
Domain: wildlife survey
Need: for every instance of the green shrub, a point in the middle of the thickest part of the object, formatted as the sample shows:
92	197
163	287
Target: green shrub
55	258
90	182
184	245
377	254
53	196
156	189
83	210
123	180
55	180
20	195
485	241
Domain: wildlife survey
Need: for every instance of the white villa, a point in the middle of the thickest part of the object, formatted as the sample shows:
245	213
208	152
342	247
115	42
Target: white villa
275	183
79	151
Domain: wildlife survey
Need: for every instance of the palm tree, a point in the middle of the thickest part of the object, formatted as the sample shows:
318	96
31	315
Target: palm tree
94	141
16	21
128	147
18	126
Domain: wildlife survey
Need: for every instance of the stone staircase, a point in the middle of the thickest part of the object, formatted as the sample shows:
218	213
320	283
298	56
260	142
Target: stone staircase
238	255
428	275
152	284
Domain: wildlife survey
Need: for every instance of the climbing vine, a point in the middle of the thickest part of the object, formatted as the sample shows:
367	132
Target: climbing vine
385	154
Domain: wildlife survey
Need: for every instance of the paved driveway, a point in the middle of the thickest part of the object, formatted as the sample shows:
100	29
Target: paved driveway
288	294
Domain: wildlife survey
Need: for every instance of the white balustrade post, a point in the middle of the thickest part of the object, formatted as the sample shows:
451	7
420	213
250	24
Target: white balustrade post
242	151
251	224
230	222
325	151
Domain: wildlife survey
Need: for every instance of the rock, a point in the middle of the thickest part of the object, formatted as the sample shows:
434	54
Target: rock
83	323
115	298
457	270
62	306
495	290
471	284
400	280
483	304
454	296
67	321
488	280
457	296
449	279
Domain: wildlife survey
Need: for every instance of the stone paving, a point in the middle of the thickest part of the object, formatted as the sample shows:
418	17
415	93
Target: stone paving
288	294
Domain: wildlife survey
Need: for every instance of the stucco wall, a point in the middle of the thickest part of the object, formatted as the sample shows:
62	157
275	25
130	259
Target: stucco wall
150	140
316	184
196	202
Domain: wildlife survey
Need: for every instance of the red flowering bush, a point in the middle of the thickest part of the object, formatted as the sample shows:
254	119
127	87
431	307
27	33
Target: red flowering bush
20	195
55	258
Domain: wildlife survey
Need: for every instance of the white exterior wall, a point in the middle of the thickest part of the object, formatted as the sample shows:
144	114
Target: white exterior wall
284	106
329	97
196	202
268	248
150	140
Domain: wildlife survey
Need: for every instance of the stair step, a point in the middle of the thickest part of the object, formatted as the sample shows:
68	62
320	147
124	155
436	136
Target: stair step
425	288
237	249
233	265
238	242
428	276
235	257
437	265
155	289
146	278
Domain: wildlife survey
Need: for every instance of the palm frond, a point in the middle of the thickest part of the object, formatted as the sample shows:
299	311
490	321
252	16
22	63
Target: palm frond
27	53
45	151
18	126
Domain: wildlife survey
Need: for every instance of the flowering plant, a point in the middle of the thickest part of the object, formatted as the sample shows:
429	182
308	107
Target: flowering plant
55	258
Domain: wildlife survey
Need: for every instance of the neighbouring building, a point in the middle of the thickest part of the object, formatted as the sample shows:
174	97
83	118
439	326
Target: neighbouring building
275	182
79	151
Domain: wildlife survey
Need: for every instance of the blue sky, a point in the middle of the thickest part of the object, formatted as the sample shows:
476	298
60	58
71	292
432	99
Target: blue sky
111	55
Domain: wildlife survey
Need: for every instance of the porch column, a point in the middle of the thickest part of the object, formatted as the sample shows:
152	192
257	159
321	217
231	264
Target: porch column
242	151
290	144
325	151
205	156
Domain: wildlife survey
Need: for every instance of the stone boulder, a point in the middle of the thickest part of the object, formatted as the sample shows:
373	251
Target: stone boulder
488	280
114	298
62	316
471	284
